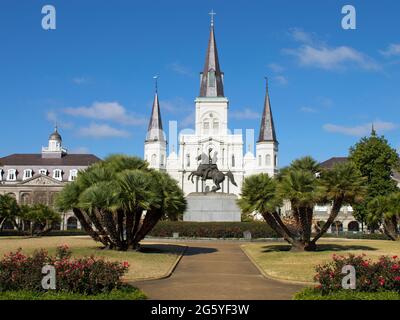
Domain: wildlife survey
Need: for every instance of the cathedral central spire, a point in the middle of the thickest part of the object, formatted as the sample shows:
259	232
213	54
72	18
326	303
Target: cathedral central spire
212	77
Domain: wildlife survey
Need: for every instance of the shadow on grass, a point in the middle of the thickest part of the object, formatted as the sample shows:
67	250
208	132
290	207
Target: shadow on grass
320	248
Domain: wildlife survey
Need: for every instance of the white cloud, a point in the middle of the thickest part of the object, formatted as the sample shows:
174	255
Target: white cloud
102	131
79	150
176	105
111	111
178	68
275	67
54	118
245	114
361	130
315	53
282	80
392	50
308	110
187	121
300	35
80	80
338	58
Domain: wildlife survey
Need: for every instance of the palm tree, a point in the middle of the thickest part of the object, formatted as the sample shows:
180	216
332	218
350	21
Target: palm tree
119	201
9	210
301	188
386	209
343	185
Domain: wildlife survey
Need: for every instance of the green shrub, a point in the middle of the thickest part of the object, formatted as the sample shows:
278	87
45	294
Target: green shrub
371	276
220	230
312	294
358	235
126	292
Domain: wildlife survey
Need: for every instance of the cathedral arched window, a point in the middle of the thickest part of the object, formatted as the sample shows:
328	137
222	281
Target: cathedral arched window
233	161
215	126
268	160
206	127
276	160
162	161
259	160
153	160
188	160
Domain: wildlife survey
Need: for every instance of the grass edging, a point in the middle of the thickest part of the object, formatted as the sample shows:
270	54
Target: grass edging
310	294
268	276
168	273
126	294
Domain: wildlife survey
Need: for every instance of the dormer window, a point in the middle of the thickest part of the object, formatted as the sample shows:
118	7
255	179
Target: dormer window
73	174
28	173
43	172
12	175
57	174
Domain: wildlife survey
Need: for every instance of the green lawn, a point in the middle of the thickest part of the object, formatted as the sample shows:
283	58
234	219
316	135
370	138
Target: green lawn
154	261
277	262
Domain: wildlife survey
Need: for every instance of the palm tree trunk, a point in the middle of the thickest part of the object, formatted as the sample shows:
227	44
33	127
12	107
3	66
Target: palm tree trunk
88	227
390	228
269	218
151	219
337	205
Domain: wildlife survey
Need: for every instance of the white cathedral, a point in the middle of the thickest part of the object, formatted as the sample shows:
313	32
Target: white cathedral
212	133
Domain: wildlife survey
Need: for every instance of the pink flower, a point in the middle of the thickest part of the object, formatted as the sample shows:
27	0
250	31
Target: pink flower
395	257
125	264
395	267
397	279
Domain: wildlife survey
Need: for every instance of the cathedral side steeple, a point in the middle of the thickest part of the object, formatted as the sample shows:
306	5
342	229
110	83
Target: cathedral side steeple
212	77
267	144
267	128
155	147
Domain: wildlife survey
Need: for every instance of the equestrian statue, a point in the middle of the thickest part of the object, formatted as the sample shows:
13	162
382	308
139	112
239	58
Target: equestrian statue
210	171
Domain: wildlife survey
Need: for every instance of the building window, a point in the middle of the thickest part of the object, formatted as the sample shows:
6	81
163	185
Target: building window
12	175
73	175
162	161
153	160
233	161
206	127
276	161
27	174
188	160
259	161
1	174
57	174
43	172
215	126
268	160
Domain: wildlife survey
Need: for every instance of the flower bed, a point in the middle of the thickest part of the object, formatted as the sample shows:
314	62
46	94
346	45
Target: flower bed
89	275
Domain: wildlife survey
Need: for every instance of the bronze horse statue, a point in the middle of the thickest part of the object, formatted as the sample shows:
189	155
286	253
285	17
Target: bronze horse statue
210	171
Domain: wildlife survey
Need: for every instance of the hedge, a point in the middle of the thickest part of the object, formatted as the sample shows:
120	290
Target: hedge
54	233
219	230
311	294
358	235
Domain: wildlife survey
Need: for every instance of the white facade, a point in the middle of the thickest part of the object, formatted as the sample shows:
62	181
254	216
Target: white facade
212	132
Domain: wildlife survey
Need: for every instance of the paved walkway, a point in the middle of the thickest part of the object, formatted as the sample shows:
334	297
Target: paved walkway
216	271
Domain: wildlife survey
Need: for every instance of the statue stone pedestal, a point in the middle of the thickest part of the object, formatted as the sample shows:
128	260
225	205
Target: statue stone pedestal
212	207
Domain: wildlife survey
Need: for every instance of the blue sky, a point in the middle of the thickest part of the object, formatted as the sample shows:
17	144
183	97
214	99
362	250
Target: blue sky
94	73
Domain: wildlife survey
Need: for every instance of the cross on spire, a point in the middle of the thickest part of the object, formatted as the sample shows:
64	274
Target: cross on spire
156	81
212	14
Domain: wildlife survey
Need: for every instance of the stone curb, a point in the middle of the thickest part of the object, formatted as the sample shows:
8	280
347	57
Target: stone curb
168	273
269	277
